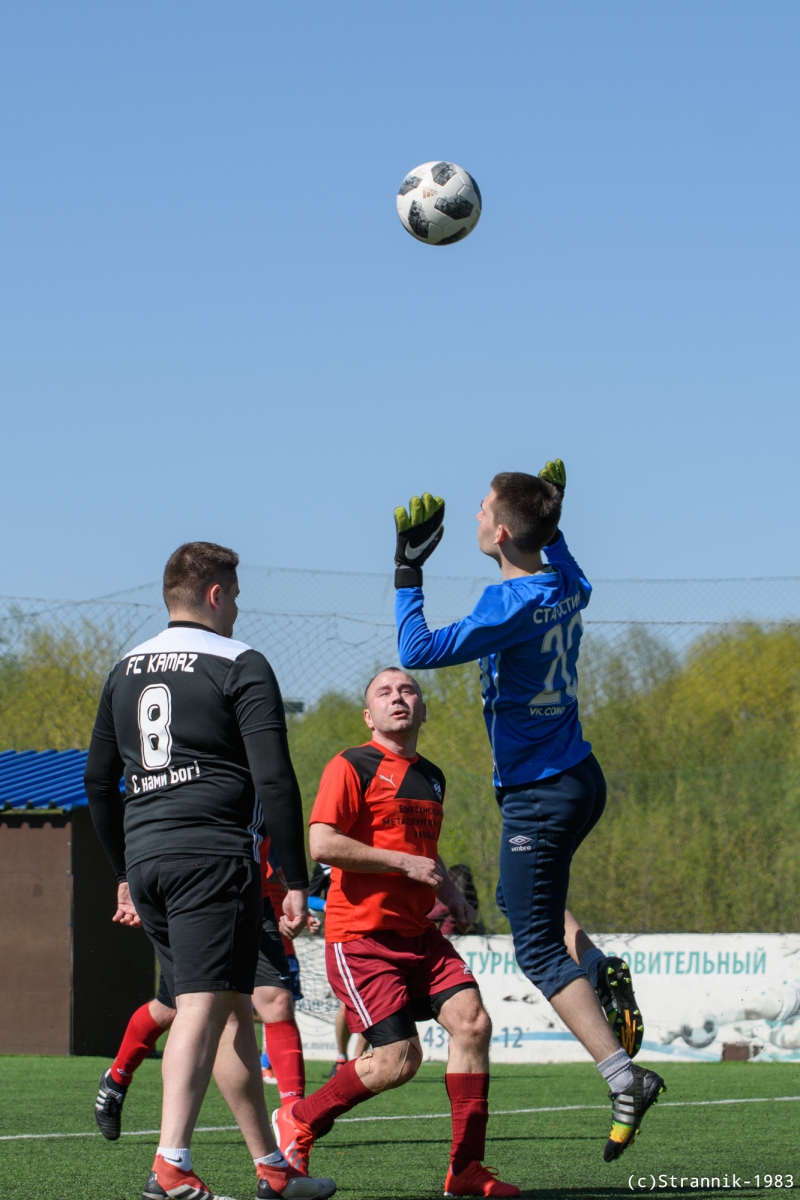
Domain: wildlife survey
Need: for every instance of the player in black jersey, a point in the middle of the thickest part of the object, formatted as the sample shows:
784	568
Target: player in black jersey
196	721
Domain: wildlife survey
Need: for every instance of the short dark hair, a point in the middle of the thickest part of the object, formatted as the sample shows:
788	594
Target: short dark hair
192	570
383	670
529	507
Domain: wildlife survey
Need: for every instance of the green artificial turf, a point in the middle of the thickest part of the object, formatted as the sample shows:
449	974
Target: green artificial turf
556	1154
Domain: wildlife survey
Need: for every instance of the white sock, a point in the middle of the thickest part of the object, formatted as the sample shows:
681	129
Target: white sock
275	1159
617	1070
178	1158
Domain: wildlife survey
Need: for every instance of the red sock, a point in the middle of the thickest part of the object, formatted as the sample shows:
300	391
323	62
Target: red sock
338	1096
285	1051
140	1038
469	1102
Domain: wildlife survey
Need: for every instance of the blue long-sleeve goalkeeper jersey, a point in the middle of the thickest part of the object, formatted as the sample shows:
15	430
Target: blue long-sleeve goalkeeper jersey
526	635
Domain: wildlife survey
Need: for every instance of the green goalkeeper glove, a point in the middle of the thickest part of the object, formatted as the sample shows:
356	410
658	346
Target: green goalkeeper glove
419	532
555	473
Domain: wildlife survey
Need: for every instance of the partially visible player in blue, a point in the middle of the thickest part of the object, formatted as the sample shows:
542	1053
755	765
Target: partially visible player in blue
525	632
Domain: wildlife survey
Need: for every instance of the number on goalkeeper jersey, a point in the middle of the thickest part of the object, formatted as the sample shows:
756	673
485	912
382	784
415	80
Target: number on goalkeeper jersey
564	660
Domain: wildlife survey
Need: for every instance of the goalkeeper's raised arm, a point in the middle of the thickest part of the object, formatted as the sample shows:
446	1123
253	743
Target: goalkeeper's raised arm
529	505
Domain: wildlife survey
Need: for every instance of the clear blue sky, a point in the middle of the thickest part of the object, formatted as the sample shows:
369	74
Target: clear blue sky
214	326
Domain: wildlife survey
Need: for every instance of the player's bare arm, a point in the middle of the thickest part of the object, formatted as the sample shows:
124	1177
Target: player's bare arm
328	844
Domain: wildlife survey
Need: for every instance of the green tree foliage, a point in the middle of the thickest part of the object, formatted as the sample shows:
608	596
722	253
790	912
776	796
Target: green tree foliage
50	686
701	753
702	828
702	757
733	700
334	723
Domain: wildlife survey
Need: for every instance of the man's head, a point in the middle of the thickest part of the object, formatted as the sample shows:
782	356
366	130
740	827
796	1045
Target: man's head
394	705
200	584
521	509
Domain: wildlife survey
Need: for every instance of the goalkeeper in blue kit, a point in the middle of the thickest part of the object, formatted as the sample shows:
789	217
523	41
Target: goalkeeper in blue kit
525	632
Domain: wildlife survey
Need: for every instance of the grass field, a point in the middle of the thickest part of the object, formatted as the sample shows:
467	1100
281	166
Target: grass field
555	1153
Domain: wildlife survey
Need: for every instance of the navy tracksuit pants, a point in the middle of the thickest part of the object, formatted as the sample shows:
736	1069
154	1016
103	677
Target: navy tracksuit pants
543	825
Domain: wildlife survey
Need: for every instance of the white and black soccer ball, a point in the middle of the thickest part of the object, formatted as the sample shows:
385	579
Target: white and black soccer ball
439	203
700	1030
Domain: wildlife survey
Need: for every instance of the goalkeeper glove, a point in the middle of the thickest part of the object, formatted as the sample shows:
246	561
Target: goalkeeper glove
555	473
419	532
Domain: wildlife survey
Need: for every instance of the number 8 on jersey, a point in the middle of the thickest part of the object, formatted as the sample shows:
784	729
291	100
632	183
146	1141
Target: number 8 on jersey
155	717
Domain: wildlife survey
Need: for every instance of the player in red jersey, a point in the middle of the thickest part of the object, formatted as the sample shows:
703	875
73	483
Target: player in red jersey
376	820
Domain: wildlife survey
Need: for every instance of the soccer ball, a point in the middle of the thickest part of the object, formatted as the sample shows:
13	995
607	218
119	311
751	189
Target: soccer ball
700	1031
439	203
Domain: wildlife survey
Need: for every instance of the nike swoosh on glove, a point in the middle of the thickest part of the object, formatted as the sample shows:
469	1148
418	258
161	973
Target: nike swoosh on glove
419	532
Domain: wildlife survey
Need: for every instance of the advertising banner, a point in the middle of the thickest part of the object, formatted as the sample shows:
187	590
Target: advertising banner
702	996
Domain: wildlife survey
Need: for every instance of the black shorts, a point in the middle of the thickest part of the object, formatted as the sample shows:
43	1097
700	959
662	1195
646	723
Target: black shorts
203	915
274	968
273	965
162	995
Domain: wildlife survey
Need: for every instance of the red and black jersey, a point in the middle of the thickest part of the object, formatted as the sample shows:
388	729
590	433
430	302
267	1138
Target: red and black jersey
394	803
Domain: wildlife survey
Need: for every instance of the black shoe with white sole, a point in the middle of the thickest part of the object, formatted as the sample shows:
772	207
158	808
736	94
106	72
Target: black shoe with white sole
108	1106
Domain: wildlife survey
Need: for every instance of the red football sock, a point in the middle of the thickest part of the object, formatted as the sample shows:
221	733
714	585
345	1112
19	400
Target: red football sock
337	1096
469	1101
140	1038
285	1051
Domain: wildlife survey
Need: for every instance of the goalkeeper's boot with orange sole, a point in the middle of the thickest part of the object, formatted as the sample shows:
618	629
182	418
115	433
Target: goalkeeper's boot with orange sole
290	1184
628	1108
294	1138
615	993
477	1180
167	1180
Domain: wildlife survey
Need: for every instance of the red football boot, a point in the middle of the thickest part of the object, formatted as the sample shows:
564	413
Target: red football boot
293	1137
168	1180
477	1180
287	1183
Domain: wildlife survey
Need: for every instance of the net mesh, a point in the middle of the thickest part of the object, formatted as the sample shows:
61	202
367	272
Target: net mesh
318	998
326	631
689	692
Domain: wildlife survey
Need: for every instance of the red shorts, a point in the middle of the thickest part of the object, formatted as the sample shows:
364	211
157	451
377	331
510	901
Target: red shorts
377	975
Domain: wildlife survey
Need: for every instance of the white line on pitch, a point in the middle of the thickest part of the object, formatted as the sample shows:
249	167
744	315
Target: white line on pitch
496	1112
512	1112
23	1137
